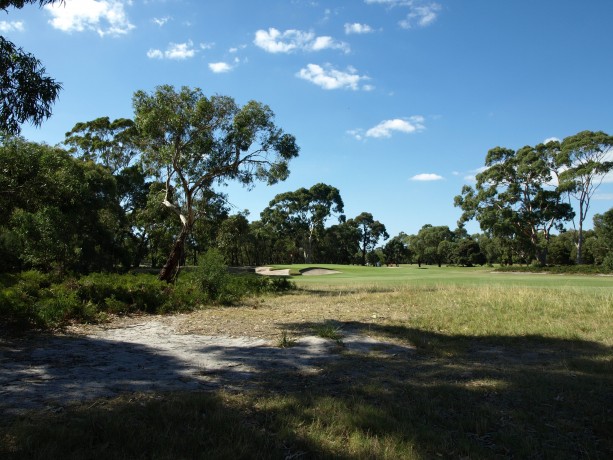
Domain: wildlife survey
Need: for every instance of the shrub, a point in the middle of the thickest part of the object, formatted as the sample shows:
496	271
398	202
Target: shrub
218	285
212	274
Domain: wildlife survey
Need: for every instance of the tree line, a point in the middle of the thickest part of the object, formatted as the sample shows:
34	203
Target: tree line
109	201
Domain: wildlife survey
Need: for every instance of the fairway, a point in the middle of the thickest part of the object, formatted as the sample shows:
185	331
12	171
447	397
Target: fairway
355	275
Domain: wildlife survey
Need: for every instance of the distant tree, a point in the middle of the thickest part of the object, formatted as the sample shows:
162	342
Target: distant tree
370	232
432	244
340	244
467	252
585	160
396	250
232	239
303	213
111	143
511	198
191	143
26	93
603	229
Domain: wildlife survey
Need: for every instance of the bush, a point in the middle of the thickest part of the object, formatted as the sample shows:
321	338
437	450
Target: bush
32	299
218	285
212	274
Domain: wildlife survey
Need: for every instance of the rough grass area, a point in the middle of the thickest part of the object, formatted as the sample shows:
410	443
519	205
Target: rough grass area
500	369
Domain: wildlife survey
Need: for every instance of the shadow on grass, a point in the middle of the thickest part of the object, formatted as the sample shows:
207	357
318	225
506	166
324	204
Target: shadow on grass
454	397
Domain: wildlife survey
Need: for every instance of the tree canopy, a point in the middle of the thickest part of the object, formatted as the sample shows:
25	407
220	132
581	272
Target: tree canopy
26	92
303	213
584	161
511	198
191	143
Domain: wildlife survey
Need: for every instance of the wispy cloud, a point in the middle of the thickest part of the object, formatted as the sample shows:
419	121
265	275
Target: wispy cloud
387	127
176	51
551	139
328	77
357	28
161	21
421	16
421	13
603	196
275	41
105	17
472	175
426	177
11	26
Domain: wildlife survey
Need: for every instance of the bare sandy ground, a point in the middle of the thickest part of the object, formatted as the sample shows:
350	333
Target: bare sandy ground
150	354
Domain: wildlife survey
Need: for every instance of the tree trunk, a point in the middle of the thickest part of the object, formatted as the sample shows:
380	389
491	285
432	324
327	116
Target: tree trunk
579	244
170	270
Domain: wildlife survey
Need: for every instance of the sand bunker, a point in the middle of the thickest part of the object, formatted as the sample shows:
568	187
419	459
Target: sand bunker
270	272
286	272
317	271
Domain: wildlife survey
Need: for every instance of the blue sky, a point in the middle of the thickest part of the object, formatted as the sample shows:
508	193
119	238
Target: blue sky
394	102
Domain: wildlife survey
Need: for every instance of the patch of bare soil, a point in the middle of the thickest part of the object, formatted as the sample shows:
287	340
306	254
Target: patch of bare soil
224	347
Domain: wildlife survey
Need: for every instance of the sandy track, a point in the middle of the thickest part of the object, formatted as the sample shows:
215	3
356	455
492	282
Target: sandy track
150	355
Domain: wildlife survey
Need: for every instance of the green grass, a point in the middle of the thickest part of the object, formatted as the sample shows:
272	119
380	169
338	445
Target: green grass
355	275
502	366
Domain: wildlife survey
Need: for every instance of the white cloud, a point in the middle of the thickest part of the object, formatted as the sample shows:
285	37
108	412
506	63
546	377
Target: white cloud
330	78
105	17
357	28
421	12
423	15
274	41
161	21
325	42
551	139
426	177
12	26
603	196
220	67
385	128
176	51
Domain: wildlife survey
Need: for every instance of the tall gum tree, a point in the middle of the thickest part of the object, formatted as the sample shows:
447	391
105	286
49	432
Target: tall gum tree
304	213
585	159
192	143
512	198
369	231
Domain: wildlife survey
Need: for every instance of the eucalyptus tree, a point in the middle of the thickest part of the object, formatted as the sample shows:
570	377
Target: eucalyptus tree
111	143
584	159
26	92
603	240
512	199
396	251
192	143
303	213
232	239
340	244
370	232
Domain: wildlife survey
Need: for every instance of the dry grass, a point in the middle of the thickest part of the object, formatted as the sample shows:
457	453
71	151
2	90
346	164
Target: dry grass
498	372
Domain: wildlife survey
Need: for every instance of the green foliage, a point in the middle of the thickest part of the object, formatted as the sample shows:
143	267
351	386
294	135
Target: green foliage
35	299
212	274
27	93
218	285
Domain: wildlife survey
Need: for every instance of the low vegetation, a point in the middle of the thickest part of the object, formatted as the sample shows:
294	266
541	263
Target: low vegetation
502	366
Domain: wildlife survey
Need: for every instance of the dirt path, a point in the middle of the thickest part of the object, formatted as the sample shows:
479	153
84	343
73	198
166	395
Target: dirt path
151	354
